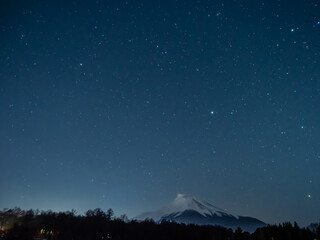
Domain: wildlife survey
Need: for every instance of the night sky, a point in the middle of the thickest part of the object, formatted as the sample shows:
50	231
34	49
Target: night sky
124	104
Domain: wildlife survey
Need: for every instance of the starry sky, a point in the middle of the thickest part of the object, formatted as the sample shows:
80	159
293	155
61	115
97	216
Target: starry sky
124	104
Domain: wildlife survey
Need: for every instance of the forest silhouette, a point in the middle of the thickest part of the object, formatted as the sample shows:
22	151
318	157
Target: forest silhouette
98	224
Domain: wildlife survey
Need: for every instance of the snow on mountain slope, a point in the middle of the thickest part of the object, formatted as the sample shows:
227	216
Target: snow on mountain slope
182	203
190	210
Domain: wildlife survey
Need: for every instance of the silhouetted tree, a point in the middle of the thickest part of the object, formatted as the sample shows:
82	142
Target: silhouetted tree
238	234
318	231
124	218
110	214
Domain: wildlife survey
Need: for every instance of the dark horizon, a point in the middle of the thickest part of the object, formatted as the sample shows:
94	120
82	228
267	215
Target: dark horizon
124	104
98	224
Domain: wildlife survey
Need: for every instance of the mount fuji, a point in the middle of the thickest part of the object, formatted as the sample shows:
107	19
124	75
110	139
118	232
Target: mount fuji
191	210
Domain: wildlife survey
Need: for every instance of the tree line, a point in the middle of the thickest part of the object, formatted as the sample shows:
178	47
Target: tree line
103	225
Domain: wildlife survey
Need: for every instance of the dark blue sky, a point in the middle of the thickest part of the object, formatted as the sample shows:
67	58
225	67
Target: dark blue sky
124	104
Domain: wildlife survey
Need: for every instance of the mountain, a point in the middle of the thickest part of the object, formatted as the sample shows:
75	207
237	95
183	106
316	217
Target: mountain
190	210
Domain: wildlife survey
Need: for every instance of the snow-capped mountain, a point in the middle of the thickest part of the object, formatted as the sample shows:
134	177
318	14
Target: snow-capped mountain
191	210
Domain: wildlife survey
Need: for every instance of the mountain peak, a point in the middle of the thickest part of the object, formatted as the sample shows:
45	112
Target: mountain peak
181	195
189	209
184	203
